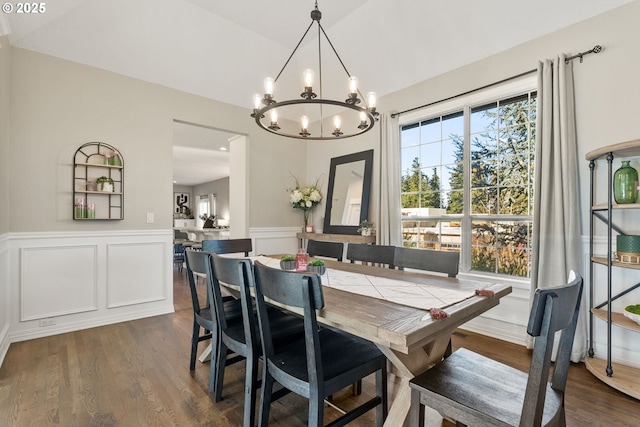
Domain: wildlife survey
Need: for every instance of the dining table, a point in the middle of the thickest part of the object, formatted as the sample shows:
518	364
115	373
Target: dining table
408	315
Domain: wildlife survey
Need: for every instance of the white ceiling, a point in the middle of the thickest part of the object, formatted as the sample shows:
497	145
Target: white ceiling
223	49
200	154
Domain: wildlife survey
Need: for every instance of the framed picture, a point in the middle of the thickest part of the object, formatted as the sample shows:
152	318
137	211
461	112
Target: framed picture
181	202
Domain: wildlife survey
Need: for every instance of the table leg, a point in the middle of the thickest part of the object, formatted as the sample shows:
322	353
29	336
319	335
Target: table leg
205	356
407	366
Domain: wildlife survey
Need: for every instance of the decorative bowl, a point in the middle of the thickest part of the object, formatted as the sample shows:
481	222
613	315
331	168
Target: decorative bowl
633	316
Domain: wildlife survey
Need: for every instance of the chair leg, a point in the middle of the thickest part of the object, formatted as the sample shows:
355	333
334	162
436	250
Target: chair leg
381	390
416	411
356	388
213	360
250	391
448	351
194	346
265	397
316	409
221	361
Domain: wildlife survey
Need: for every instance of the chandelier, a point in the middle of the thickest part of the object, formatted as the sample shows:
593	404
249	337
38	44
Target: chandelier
349	118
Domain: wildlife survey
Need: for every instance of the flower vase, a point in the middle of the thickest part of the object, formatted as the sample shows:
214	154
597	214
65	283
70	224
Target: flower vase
305	213
625	183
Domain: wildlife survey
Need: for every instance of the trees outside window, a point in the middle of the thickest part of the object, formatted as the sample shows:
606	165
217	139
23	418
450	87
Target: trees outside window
467	184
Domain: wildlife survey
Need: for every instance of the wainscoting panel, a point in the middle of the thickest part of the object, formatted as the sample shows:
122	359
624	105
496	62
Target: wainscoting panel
57	280
66	281
267	241
135	274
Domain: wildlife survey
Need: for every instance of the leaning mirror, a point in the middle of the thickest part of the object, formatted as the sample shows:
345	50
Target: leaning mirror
348	193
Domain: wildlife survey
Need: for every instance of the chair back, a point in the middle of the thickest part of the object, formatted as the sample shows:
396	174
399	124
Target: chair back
237	272
196	263
230	246
553	309
325	249
293	289
376	254
427	259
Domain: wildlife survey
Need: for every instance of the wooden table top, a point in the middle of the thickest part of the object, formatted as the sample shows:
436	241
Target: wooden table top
397	326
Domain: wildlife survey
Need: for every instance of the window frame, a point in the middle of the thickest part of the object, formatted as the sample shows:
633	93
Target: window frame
466	103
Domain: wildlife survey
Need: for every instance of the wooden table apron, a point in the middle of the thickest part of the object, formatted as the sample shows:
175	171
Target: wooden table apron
409	337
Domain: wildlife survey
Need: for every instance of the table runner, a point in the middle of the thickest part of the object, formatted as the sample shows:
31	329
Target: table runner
407	293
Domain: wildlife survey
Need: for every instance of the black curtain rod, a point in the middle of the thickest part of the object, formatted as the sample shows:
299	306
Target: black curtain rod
394	115
596	49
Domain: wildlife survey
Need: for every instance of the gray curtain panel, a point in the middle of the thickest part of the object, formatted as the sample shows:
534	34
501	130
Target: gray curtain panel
388	229
556	222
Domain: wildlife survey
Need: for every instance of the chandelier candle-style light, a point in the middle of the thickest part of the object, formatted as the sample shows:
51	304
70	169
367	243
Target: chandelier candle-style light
348	118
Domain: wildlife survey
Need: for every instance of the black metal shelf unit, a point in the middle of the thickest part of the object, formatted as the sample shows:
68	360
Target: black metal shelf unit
617	375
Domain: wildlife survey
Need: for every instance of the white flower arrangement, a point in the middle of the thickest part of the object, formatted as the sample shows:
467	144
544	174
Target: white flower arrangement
305	198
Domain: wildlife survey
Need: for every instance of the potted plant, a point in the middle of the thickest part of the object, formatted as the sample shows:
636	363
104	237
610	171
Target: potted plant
288	262
316	266
105	184
365	227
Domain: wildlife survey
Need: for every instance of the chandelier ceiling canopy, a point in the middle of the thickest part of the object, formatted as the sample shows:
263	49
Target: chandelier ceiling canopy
320	118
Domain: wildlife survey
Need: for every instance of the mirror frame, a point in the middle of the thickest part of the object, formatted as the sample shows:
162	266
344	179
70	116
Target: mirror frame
367	156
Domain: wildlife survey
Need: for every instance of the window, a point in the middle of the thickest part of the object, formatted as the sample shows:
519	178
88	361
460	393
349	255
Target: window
467	183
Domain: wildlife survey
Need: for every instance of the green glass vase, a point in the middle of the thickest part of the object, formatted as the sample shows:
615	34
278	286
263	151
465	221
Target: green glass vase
625	183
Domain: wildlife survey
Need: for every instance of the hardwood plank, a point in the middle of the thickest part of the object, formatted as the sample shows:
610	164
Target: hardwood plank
137	373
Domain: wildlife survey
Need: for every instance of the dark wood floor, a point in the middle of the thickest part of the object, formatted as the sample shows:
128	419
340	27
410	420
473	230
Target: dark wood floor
137	374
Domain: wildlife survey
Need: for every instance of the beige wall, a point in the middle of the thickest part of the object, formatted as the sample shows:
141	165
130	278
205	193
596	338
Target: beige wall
57	105
5	56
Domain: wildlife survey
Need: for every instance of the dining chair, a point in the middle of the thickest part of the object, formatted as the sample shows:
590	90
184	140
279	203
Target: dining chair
477	391
178	255
325	249
427	259
380	255
240	334
446	262
322	362
229	246
204	313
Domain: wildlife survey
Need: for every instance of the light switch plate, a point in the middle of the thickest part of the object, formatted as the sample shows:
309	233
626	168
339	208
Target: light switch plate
150	217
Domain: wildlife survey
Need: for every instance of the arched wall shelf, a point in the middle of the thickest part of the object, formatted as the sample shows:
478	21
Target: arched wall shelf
95	166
